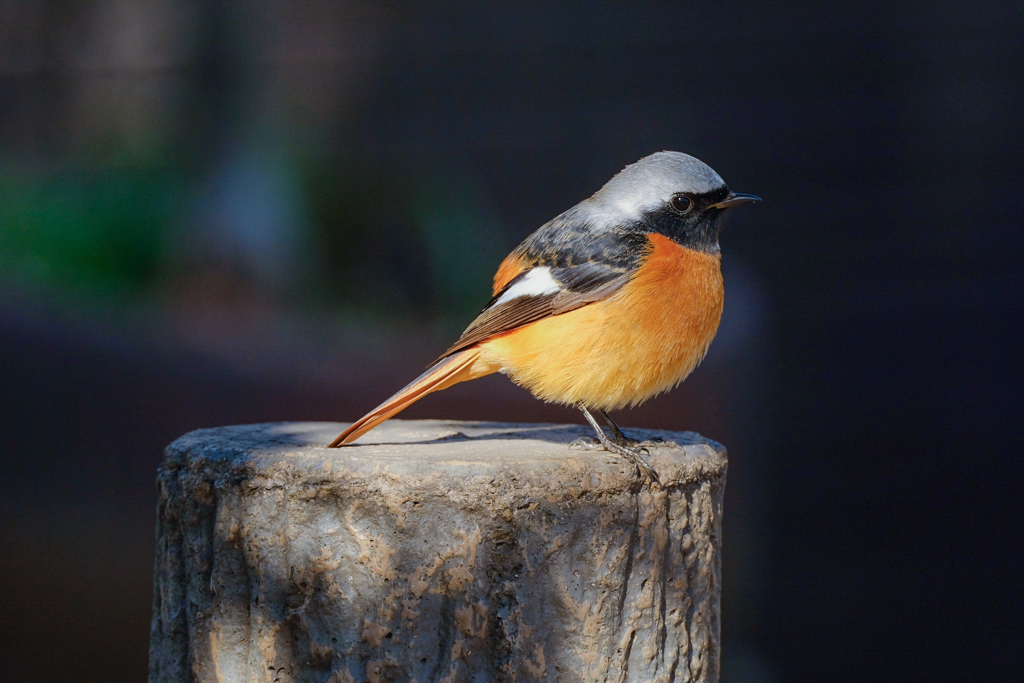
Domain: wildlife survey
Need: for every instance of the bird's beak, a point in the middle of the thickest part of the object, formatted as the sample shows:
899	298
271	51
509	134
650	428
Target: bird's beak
735	199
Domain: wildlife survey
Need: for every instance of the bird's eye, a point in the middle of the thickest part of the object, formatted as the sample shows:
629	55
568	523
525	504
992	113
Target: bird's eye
681	203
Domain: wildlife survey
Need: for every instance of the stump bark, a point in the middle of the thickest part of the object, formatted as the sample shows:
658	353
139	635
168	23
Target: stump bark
436	551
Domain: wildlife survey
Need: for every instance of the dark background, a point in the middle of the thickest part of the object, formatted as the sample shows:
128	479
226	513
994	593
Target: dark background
226	212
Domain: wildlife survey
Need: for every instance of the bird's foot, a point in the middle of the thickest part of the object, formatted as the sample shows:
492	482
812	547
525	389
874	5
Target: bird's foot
635	455
634	452
587	443
626	442
619	444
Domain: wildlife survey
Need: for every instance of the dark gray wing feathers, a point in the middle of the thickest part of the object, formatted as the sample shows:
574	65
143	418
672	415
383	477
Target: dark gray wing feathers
588	265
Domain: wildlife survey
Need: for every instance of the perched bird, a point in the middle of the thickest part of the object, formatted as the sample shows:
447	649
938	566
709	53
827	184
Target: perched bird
610	303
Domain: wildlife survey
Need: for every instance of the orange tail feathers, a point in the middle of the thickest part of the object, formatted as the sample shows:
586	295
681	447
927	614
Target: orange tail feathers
458	367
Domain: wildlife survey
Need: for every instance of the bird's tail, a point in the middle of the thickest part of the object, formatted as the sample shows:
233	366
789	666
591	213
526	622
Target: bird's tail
450	370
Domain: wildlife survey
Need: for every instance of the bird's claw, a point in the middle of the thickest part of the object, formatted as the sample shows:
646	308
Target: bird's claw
631	454
656	442
635	456
644	469
586	443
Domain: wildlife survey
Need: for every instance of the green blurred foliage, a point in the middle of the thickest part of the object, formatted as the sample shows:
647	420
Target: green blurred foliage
390	242
94	230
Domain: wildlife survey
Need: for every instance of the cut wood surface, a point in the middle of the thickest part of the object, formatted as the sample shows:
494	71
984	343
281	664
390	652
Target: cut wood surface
434	551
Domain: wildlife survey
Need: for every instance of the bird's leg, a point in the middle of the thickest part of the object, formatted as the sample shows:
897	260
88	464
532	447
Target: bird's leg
631	453
622	440
617	434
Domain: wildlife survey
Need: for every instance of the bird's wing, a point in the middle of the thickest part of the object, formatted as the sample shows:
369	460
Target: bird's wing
559	268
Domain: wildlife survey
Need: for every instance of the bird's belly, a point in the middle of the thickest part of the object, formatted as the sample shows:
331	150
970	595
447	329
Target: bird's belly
621	351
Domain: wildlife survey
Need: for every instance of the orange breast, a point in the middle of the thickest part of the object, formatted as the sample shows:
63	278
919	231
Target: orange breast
621	351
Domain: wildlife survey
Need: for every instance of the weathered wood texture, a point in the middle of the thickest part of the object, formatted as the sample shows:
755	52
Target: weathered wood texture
437	551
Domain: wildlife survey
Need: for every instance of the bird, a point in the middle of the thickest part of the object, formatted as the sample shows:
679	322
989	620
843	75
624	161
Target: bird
606	305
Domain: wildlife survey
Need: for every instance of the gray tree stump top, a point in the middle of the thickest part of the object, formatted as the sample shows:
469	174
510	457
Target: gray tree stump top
411	452
434	551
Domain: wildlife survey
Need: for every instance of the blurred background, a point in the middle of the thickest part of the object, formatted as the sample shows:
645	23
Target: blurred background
226	212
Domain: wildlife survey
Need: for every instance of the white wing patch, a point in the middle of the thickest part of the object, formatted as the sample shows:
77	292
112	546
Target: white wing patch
537	282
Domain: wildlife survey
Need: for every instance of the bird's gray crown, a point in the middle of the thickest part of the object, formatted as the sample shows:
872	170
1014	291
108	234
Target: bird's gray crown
650	183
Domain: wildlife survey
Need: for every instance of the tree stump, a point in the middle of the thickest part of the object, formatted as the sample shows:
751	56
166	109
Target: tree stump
435	551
